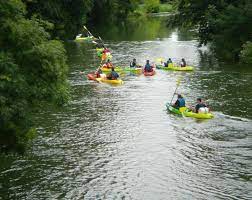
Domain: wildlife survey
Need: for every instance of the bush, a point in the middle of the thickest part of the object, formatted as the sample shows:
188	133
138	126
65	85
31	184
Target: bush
246	53
165	8
33	69
152	6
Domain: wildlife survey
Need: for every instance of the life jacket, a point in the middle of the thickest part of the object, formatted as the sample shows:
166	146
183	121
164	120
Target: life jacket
148	68
200	105
114	75
181	102
183	64
203	110
133	64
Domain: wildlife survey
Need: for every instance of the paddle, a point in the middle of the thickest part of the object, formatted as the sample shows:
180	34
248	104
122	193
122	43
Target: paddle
88	31
178	83
102	42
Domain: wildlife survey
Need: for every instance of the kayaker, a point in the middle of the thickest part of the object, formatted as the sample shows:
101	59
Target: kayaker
106	50
148	67
113	75
133	63
183	63
98	72
168	62
108	64
106	54
180	102
201	107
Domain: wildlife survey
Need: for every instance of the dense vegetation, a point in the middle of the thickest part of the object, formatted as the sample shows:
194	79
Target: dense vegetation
227	24
32	70
33	62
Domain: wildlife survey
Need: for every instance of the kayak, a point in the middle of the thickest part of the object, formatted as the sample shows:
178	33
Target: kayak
132	69
89	39
113	82
120	69
176	68
93	76
117	69
149	73
99	52
187	113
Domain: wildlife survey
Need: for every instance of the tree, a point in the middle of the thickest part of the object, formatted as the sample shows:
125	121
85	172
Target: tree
227	24
33	69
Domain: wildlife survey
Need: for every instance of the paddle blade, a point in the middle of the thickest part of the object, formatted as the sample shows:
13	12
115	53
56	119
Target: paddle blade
178	82
160	59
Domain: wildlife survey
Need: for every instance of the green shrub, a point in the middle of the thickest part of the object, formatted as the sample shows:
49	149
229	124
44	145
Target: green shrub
165	8
246	53
152	6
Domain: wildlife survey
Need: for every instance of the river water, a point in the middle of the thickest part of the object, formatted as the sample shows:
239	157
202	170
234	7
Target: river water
119	142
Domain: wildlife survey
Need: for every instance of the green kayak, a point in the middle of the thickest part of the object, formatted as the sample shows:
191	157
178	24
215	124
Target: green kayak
187	113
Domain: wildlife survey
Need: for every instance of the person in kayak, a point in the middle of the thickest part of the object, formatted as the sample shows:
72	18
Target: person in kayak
113	75
180	102
166	64
148	67
108	64
98	72
201	107
183	63
133	63
106	54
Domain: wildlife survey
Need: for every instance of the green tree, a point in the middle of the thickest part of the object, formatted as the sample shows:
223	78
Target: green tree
68	16
227	24
32	70
152	6
246	53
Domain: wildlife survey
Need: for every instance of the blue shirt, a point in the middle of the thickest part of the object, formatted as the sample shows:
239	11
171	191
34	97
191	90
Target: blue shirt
148	68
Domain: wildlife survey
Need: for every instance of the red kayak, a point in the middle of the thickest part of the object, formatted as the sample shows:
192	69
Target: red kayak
149	73
92	77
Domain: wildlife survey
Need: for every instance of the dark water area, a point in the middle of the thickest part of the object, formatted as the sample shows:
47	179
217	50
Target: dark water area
119	142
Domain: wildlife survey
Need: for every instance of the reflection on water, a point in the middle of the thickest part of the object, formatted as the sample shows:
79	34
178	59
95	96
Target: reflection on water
121	143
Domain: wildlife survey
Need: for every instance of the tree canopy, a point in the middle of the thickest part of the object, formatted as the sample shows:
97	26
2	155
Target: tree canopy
227	24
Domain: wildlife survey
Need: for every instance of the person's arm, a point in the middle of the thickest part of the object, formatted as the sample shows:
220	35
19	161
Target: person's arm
176	103
197	108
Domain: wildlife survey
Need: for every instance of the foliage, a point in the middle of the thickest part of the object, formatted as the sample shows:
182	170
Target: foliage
246	53
112	10
227	23
33	61
32	70
68	16
166	7
152	6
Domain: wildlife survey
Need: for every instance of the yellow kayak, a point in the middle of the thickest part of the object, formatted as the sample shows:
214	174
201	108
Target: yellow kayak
114	82
198	115
176	68
117	69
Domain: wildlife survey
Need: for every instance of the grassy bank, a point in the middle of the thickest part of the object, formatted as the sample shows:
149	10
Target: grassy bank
144	9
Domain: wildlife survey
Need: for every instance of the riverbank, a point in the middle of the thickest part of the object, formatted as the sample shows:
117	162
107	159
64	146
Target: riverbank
147	9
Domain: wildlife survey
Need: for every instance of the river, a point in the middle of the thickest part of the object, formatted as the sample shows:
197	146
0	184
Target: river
119	142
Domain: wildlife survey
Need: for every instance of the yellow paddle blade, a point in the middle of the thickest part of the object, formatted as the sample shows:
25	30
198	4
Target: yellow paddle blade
160	59
178	82
182	109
